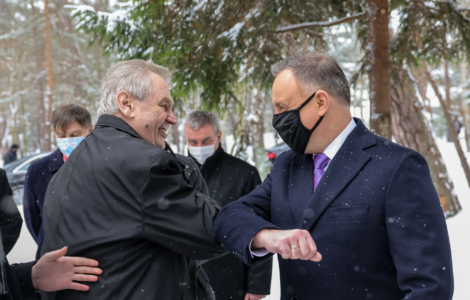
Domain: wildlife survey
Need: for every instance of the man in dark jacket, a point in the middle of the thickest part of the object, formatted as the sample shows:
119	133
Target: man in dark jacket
228	179
52	272
11	154
71	123
123	200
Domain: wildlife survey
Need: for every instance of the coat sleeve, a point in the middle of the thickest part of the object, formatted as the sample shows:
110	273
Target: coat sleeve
417	232
32	215
22	274
239	221
10	218
175	215
259	277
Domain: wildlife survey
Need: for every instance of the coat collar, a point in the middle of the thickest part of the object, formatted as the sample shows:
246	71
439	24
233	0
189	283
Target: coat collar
118	123
56	161
348	162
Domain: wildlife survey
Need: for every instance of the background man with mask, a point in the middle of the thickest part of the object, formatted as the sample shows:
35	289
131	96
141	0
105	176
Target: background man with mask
123	200
228	179
71	123
369	205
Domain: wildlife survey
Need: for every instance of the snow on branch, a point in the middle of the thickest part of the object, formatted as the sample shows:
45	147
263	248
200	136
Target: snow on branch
354	17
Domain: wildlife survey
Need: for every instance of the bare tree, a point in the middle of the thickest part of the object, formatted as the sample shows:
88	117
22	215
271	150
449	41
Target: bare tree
50	75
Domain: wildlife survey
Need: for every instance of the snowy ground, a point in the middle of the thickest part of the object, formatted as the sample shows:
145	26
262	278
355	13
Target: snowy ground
459	227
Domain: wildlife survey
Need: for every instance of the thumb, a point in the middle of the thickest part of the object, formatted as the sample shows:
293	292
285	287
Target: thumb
55	255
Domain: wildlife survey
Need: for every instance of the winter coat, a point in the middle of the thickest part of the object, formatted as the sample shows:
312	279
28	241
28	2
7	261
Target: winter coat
228	179
126	203
15	280
9	157
375	217
35	185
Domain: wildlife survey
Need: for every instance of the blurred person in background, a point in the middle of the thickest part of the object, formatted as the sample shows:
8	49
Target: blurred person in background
71	123
53	271
11	154
228	179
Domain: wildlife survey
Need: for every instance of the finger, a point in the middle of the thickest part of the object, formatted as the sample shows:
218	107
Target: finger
55	255
305	253
247	297
88	270
78	287
317	257
312	245
295	253
82	261
83	277
284	250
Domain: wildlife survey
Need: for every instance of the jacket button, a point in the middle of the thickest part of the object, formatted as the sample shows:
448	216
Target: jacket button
187	167
295	298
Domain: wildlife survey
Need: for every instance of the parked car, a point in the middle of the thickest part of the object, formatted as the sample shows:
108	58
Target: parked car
16	173
273	152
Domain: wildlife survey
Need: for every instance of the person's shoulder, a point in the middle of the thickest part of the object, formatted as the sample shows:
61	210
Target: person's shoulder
235	161
396	151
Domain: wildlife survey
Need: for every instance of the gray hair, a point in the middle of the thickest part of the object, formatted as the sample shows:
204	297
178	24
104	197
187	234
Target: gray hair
198	119
316	71
131	76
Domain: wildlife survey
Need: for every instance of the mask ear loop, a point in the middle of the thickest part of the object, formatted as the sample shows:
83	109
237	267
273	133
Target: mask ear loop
306	101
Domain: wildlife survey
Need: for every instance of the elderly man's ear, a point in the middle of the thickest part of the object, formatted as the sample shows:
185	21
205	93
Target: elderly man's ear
126	103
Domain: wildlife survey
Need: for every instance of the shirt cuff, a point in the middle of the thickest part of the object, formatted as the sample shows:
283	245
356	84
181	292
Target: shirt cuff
258	252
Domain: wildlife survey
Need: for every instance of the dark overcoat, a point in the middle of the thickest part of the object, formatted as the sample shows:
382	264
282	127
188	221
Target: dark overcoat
375	217
228	179
35	185
127	204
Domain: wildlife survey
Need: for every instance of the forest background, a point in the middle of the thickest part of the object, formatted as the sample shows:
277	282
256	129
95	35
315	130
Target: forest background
407	62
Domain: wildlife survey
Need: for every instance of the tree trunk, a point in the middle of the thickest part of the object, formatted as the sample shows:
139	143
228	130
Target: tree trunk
50	78
39	88
411	129
379	66
464	111
450	124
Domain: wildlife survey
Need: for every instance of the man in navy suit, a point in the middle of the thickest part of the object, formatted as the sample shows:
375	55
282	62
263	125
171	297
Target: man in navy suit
368	205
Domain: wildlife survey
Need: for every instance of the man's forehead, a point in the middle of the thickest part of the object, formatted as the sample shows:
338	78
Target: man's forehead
206	131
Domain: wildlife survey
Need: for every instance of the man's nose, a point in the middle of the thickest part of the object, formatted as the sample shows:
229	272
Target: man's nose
171	118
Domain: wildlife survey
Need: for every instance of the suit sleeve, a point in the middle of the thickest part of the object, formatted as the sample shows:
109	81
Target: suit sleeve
259	277
177	216
239	221
10	218
32	215
417	232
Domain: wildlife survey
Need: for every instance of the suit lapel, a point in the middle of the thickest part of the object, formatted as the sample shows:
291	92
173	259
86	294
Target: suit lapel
300	185
347	163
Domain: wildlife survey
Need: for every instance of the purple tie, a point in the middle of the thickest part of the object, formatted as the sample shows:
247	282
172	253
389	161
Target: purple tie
320	161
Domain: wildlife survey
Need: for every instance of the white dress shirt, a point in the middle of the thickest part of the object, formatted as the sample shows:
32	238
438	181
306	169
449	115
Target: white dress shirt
330	151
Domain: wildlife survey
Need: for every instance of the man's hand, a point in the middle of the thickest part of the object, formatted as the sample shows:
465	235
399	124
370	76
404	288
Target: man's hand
290	244
249	296
54	272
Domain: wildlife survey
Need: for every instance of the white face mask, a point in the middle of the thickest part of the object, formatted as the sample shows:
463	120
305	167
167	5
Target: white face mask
67	145
202	153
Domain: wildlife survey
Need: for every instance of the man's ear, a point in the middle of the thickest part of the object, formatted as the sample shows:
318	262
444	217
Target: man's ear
322	102
90	128
219	135
126	104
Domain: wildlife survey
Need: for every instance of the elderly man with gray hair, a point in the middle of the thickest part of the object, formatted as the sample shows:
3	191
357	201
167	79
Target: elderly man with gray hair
123	200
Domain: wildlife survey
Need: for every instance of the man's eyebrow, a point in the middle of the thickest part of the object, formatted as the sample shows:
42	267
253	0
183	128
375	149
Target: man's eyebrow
165	101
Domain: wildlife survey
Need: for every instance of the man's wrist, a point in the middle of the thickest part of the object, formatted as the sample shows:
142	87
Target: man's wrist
260	238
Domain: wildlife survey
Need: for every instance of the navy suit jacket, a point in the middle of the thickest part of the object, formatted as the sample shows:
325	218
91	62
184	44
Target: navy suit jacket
375	218
35	185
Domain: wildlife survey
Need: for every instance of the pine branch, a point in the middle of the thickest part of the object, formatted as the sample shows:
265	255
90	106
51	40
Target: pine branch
354	17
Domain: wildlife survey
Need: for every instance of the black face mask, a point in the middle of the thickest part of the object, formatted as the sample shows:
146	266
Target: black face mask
292	131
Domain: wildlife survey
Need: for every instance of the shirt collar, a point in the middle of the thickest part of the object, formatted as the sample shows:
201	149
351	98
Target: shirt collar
334	147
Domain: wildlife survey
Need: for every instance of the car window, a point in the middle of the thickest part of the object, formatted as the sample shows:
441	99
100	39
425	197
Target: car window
25	167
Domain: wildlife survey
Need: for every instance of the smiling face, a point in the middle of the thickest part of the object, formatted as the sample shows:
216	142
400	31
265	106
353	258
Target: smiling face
151	118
